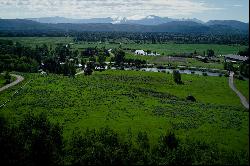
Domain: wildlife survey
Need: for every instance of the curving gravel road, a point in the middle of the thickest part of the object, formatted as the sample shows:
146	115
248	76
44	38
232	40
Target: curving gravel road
18	80
242	98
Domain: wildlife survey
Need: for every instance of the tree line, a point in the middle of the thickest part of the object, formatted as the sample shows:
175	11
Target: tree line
161	38
37	141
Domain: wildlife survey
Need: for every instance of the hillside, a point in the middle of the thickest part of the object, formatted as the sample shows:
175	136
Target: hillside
142	101
21	25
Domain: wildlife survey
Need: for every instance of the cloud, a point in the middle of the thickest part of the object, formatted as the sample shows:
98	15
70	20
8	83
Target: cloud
104	8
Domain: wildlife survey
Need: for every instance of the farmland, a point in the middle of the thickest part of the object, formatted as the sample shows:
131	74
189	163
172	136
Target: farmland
136	101
166	49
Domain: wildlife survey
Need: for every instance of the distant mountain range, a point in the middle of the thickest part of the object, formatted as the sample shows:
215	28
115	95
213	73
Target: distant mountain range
147	24
149	20
56	20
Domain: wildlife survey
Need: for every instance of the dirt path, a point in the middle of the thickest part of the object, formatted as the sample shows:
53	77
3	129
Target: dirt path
81	72
242	98
18	80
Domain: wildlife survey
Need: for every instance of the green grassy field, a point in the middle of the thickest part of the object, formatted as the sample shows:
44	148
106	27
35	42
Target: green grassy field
243	87
189	62
136	101
189	48
33	41
165	49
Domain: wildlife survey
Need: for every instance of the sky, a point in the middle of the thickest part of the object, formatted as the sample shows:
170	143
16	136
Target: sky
133	9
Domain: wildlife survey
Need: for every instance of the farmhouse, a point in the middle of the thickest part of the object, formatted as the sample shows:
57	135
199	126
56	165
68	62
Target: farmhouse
234	58
140	52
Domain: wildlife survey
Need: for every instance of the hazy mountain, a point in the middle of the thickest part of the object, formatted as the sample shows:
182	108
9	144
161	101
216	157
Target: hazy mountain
155	20
56	20
230	23
149	20
183	27
21	25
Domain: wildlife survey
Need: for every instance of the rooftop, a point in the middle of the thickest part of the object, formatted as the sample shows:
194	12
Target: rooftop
236	57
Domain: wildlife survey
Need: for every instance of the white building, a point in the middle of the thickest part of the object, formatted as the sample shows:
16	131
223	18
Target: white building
140	52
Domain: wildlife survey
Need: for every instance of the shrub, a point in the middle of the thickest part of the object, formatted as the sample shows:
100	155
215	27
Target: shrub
204	74
7	77
177	77
240	77
98	147
170	141
89	69
161	67
142	140
182	68
191	98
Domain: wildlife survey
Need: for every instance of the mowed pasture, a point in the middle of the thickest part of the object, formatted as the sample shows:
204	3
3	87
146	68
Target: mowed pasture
190	62
136	101
166	49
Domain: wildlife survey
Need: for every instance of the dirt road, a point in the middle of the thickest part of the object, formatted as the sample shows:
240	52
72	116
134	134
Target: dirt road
242	98
18	80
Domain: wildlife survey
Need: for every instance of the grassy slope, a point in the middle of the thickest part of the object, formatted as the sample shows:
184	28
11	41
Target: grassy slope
243	87
142	101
